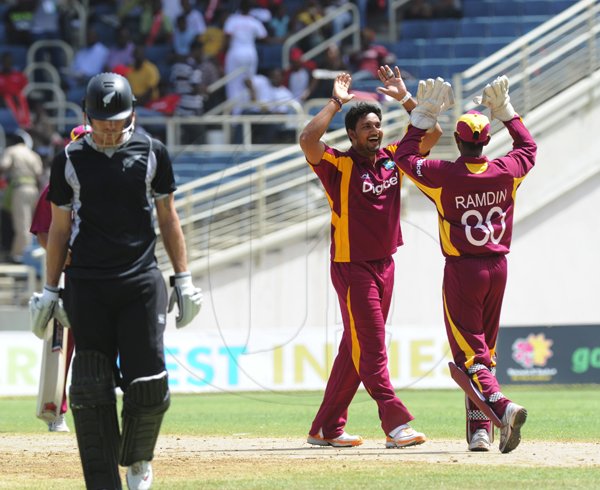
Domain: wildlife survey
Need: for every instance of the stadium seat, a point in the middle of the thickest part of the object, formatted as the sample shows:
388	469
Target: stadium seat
269	56
444	28
537	7
470	48
475	27
415	29
476	8
438	49
8	121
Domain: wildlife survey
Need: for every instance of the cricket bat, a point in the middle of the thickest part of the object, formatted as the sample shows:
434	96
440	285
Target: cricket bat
52	375
466	384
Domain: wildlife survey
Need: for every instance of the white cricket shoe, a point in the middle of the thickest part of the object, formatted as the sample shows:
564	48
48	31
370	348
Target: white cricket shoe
139	476
510	434
404	436
343	440
480	441
59	424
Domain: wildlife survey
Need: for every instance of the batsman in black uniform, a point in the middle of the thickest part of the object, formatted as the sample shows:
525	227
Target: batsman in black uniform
103	190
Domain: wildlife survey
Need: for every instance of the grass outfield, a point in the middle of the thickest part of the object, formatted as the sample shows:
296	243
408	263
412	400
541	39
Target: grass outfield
556	414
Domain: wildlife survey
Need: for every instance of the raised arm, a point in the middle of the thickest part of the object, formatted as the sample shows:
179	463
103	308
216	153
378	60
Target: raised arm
310	138
395	88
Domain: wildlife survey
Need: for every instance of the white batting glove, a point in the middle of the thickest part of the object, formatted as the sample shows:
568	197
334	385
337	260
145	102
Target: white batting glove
188	298
495	97
433	97
45	306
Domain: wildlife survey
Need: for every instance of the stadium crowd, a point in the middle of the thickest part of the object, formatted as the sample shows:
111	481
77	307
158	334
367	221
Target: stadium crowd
171	52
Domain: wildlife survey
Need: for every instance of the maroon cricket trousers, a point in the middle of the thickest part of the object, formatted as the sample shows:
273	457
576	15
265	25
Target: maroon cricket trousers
364	291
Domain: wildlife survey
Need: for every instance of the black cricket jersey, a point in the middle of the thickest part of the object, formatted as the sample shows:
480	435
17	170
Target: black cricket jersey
112	197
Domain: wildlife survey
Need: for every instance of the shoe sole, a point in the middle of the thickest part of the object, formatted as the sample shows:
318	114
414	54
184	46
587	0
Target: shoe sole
391	444
317	441
514	437
479	449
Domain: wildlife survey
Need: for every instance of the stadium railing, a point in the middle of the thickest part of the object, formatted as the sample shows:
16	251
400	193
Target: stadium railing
268	206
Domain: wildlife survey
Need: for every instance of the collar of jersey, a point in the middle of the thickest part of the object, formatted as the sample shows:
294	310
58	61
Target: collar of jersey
381	157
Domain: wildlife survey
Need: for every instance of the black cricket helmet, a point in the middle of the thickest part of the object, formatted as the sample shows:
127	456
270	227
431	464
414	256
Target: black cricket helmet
108	97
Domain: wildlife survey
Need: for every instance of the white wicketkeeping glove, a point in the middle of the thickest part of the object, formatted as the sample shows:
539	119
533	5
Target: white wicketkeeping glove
187	296
433	97
45	306
495	96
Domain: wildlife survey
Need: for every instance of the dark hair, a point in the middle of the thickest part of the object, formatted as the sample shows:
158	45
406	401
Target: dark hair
358	111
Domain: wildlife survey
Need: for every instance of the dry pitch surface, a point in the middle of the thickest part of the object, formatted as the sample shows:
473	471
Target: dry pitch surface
47	457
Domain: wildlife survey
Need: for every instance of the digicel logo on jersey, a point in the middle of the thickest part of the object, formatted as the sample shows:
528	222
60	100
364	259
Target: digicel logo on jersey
368	186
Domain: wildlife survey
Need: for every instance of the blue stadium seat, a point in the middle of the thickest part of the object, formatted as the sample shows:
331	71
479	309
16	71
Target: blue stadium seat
508	28
443	28
492	44
537	7
506	8
19	54
475	27
438	49
415	29
159	53
8	121
406	49
476	8
469	48
269	56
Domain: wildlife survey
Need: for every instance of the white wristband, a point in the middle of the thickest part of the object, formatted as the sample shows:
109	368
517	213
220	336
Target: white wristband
405	98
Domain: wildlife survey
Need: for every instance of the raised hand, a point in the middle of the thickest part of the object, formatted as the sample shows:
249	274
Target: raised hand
394	86
433	96
341	87
495	97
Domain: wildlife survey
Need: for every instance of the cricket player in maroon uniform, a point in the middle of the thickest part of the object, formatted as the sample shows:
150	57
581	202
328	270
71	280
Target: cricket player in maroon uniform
363	189
40	225
475	198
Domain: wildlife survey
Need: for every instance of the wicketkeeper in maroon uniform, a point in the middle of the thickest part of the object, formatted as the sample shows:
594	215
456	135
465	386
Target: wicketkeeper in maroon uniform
363	189
475	198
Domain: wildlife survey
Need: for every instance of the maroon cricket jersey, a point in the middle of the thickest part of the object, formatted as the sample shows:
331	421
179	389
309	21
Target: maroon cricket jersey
474	197
365	203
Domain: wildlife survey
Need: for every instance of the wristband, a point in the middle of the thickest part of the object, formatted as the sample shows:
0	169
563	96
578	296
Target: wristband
405	98
338	101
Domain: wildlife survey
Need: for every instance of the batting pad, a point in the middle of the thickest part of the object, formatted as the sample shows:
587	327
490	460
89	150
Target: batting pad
93	401
144	404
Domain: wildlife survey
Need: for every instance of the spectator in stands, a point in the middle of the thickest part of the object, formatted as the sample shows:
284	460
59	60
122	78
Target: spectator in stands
143	77
12	83
46	20
298	77
279	25
18	21
88	60
190	79
24	169
311	13
121	53
447	9
182	38
46	139
241	31
155	26
331	65
214	38
418	9
263	95
340	21
193	17
370	57
261	12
